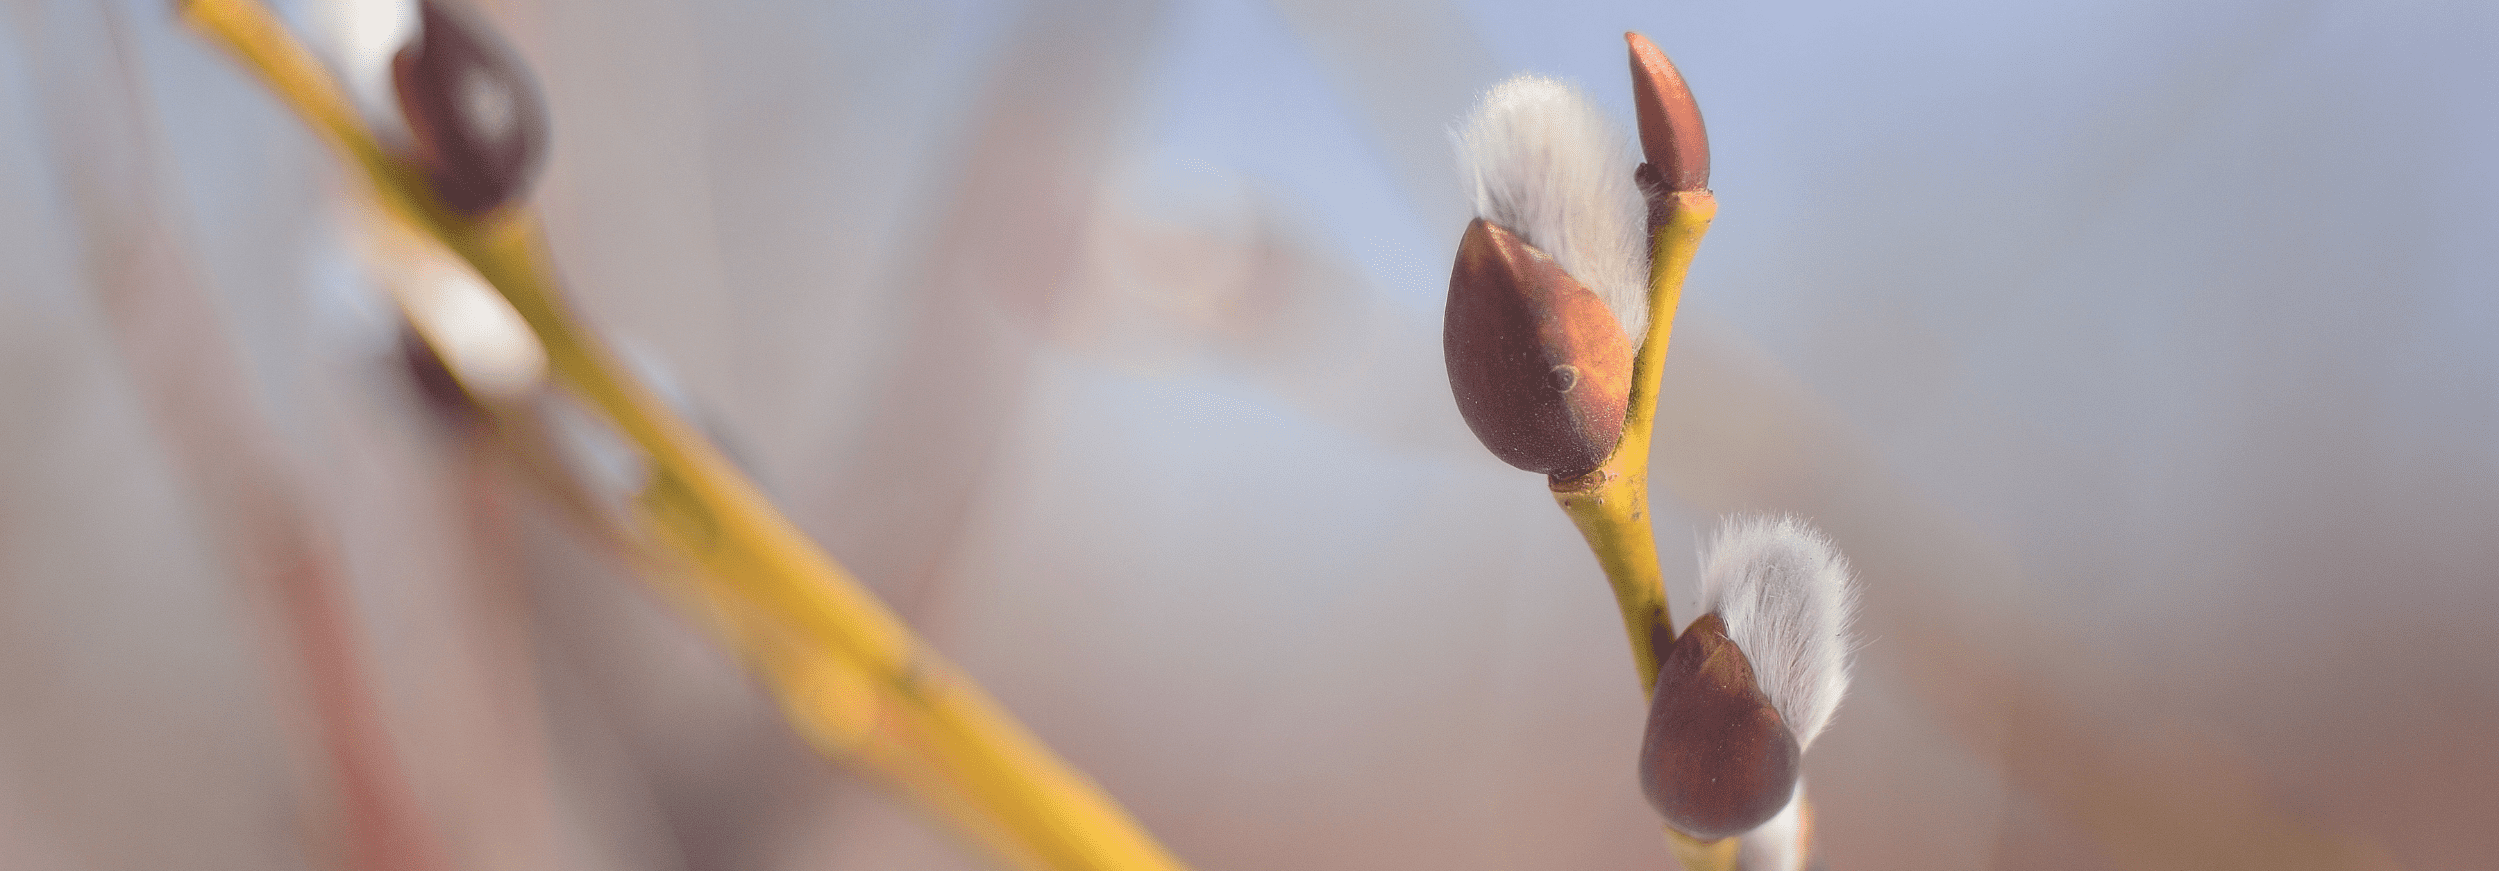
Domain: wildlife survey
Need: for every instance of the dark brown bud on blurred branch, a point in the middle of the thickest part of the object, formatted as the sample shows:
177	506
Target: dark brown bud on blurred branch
1717	761
479	121
1540	366
1672	139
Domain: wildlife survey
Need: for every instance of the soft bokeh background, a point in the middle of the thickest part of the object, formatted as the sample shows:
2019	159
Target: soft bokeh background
2144	356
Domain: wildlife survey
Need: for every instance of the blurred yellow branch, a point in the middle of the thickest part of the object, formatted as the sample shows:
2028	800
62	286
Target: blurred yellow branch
849	675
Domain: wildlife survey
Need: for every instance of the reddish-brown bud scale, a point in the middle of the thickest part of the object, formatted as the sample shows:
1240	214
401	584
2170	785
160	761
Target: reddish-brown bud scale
479	122
1541	369
1672	139
1717	760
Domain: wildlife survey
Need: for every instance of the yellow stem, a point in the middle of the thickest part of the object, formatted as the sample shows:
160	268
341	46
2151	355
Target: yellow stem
1611	505
1698	855
849	675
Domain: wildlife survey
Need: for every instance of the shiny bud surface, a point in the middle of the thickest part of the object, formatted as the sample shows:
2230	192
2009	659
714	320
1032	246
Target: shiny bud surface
1672	139
1717	760
1540	366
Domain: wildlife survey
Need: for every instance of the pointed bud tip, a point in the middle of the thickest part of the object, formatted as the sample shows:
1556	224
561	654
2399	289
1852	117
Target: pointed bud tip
1672	138
1540	367
1717	760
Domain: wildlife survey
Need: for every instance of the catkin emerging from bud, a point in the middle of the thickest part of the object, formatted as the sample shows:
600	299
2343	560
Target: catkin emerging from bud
1717	760
1788	597
1751	683
1542	161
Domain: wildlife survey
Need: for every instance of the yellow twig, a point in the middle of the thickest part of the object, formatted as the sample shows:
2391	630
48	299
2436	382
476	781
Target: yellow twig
849	675
1698	855
1611	505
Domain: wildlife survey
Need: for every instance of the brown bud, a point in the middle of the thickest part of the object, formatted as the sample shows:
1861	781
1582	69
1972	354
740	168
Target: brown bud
1717	761
480	124
1672	139
1541	368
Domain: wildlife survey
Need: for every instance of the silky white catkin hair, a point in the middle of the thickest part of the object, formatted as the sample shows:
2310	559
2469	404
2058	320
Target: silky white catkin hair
1787	597
1545	164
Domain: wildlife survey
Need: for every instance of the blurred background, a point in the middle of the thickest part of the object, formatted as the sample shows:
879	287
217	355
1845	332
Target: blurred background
2144	357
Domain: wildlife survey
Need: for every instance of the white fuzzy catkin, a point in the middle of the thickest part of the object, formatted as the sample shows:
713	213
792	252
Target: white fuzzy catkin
1545	164
1787	597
